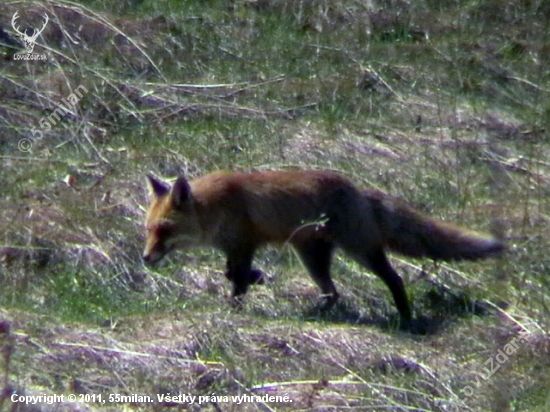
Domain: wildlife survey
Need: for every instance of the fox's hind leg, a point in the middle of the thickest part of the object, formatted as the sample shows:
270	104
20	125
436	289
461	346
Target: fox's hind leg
380	265
376	261
316	256
361	239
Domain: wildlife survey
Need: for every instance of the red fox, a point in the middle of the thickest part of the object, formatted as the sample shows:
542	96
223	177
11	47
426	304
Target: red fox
315	211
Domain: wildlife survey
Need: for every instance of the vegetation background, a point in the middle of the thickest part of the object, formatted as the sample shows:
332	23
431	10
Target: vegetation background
443	103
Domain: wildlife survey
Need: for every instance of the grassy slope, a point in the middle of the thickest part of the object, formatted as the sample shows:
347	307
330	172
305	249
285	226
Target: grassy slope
444	104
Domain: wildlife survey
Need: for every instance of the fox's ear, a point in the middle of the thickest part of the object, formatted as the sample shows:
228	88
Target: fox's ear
157	188
181	191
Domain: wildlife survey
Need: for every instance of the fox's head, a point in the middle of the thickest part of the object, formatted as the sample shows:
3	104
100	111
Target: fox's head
171	220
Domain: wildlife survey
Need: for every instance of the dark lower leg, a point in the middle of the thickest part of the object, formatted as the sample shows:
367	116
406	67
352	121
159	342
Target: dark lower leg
240	273
257	277
380	265
316	256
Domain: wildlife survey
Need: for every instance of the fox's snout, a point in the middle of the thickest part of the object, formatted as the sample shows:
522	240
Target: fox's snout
146	259
155	251
152	257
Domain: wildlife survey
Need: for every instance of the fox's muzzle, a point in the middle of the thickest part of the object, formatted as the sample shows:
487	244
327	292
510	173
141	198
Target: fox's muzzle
147	259
152	255
150	258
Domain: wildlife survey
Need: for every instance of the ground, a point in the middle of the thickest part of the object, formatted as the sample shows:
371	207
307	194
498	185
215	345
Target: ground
445	104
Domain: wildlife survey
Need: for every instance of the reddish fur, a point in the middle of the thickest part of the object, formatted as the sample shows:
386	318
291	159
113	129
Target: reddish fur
314	211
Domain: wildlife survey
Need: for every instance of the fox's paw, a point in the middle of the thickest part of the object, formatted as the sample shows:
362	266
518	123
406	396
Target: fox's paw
327	301
237	302
257	277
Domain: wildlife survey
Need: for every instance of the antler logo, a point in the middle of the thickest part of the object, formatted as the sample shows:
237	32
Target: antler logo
28	40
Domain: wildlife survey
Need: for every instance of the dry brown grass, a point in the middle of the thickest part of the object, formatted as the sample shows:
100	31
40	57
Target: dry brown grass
440	103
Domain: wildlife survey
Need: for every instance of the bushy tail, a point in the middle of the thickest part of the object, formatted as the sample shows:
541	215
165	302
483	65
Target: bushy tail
409	232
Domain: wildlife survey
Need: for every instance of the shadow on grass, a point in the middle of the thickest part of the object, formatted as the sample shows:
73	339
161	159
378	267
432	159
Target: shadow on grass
436	309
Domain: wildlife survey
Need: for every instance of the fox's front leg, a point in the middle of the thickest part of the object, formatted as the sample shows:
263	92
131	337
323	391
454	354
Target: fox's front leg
240	273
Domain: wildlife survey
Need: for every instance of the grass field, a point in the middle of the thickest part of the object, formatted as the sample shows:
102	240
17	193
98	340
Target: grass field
445	104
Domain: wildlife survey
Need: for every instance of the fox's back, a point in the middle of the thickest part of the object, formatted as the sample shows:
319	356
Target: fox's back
274	204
